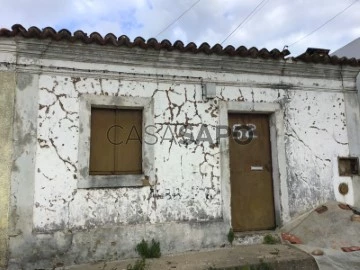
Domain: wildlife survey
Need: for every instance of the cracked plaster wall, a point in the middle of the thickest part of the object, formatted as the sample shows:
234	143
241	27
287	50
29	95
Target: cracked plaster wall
315	135
187	177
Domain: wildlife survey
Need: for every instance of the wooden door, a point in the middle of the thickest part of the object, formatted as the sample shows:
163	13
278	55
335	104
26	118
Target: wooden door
252	200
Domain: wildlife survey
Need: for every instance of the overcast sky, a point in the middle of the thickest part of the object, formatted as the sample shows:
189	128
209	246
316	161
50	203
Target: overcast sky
276	24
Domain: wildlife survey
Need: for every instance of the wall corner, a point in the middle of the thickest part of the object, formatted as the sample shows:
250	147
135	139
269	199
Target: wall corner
7	97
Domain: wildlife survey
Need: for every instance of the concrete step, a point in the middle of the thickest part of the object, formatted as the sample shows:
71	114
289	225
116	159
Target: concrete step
254	238
229	258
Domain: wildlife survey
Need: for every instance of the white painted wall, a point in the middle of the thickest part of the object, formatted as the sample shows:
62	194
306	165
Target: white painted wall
187	173
315	136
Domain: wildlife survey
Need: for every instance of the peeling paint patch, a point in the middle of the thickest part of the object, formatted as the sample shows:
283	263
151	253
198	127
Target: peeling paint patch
23	80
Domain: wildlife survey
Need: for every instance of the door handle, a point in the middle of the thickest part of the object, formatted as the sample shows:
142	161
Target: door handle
257	168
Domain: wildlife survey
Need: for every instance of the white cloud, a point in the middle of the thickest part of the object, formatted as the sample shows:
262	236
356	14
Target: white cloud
277	24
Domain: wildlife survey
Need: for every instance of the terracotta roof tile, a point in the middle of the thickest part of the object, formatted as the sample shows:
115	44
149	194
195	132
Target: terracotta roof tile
319	55
327	59
111	39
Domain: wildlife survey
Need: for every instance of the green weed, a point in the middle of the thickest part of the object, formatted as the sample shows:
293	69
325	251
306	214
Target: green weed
270	240
146	250
230	236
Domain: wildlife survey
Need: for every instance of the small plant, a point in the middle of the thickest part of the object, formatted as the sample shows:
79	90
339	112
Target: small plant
270	240
155	251
230	236
148	251
142	249
139	265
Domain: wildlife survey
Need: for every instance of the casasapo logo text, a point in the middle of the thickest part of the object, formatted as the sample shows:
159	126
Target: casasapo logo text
180	134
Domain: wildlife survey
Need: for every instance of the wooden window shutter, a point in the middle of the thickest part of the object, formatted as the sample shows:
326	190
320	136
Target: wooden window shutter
116	141
128	153
102	151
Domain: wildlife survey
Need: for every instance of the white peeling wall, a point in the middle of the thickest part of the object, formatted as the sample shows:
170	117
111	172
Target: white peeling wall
315	135
187	177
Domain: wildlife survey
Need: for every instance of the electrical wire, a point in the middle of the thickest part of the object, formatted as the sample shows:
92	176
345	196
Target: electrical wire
178	18
325	23
253	12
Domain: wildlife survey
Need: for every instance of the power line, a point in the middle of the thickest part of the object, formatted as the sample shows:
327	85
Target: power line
178	18
325	23
253	12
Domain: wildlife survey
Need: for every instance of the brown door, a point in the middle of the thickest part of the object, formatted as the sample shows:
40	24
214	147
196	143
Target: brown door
252	200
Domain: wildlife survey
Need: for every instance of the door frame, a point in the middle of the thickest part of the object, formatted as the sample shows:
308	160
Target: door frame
277	141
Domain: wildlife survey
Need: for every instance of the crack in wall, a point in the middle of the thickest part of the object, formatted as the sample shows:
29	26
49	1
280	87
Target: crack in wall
296	136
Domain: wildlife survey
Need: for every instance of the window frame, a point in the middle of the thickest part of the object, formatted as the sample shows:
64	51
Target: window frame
85	179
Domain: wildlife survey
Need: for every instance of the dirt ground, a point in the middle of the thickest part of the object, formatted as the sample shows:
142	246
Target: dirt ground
278	256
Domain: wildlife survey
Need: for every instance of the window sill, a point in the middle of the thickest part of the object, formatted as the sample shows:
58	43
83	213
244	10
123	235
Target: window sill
112	181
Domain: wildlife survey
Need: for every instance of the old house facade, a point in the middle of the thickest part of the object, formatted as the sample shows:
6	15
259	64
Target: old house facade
105	142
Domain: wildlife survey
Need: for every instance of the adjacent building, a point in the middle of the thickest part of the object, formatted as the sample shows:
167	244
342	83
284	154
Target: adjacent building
350	50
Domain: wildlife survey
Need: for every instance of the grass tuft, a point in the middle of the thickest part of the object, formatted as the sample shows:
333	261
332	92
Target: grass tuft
230	236
147	251
270	240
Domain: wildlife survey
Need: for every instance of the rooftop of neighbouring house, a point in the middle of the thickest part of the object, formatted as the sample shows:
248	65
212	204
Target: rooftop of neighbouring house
351	49
312	55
